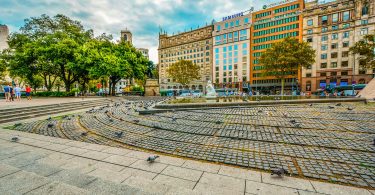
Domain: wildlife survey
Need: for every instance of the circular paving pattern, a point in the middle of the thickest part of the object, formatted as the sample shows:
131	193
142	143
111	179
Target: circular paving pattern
322	141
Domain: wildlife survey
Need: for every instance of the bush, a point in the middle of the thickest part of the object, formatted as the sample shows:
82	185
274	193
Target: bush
53	94
137	88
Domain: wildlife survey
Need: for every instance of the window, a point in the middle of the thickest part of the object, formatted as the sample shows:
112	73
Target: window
334	55
237	22
364	31
324	47
244	45
324	29
309	39
345	44
323	74
335	27
345	34
224	49
324	20
309	32
334	46
235	35
344	73
364	22
335	17
246	20
333	64
347	25
308	74
218	28
333	73
345	54
365	10
335	36
308	67
323	65
344	64
309	22
323	56
324	37
231	24
224	68
226	25
346	16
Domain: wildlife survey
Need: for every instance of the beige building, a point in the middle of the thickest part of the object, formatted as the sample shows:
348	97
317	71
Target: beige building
4	33
194	45
231	51
144	51
332	28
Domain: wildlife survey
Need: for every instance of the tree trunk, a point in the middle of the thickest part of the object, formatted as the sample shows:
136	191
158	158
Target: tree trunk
282	86
113	88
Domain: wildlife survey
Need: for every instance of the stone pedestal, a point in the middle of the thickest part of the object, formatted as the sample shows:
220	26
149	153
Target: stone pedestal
152	87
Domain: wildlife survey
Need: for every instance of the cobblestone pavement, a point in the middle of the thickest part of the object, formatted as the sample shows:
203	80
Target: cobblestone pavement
320	141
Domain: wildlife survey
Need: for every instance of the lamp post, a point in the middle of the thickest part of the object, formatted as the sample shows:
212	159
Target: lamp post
297	84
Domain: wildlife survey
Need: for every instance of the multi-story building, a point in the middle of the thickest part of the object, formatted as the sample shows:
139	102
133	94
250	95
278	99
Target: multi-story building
4	33
272	24
231	43
144	52
194	45
332	28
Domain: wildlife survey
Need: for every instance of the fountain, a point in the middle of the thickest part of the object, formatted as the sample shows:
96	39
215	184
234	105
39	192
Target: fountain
211	93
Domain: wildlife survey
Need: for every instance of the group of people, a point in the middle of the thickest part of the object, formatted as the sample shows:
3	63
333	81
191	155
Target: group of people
12	93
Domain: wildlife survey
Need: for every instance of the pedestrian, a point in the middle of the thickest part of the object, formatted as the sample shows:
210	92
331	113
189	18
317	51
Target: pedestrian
17	91
11	93
28	92
7	92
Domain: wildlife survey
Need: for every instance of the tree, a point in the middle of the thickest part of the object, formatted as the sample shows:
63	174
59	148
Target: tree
184	71
365	48
285	58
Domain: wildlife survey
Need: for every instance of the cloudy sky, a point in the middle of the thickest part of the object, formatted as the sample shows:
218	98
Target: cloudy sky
142	17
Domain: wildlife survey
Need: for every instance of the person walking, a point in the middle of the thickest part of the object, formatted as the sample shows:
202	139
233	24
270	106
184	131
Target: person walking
28	92
17	91
7	93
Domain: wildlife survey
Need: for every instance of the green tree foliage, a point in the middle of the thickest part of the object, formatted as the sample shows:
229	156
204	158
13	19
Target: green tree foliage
365	48
184	71
286	57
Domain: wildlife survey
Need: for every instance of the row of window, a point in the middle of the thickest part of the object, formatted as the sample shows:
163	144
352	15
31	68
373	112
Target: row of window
184	52
334	45
324	74
264	46
256	75
289	80
334	64
230	48
334	27
278	29
231	37
287	8
276	22
334	55
232	60
232	24
276	37
345	16
264	14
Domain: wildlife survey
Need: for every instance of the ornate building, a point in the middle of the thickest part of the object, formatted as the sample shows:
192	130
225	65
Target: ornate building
332	28
231	44
196	46
272	24
126	35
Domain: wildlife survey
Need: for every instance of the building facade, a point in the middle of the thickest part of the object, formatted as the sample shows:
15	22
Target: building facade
126	35
144	52
194	45
272	24
4	33
231	43
331	29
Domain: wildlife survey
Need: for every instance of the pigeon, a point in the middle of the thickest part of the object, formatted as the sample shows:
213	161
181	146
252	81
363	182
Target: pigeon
84	134
279	172
310	105
156	126
293	121
49	118
331	107
174	119
50	125
339	104
285	114
349	108
136	121
17	124
152	159
14	139
119	134
297	125
374	142
218	122
260	111
110	120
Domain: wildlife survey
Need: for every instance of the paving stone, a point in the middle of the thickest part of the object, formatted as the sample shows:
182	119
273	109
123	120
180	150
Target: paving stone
100	186
41	169
139	173
57	147
173	181
240	173
72	178
148	185
206	189
288	182
75	151
108	166
21	182
58	188
95	147
328	188
96	155
262	188
183	173
7	169
121	160
117	151
207	167
221	181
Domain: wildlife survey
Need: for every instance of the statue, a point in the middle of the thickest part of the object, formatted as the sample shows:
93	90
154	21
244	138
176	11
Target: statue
211	93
